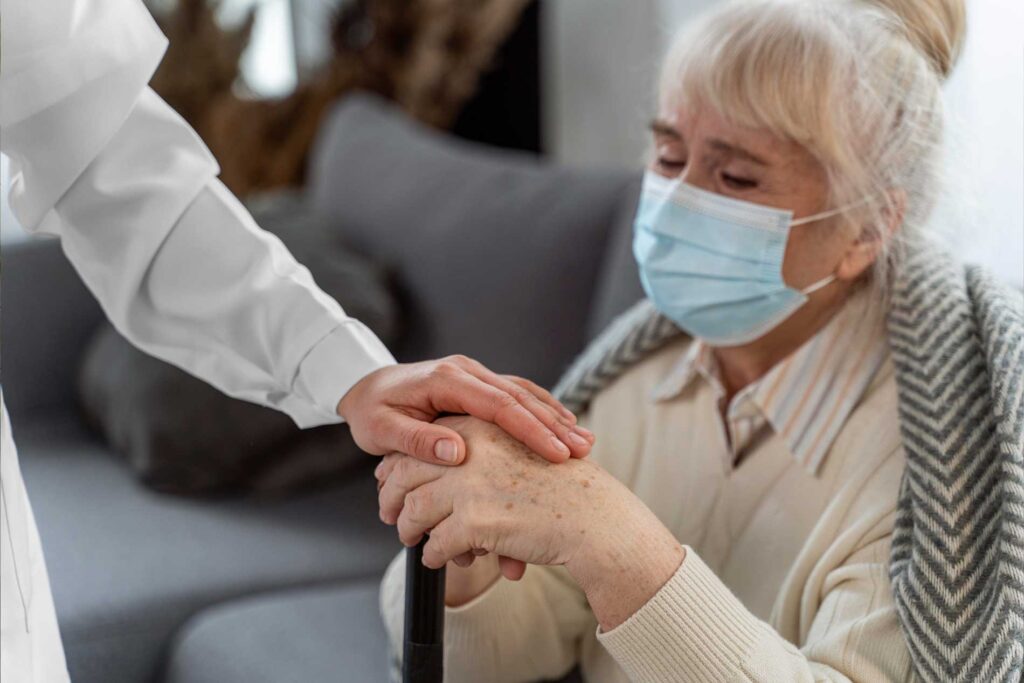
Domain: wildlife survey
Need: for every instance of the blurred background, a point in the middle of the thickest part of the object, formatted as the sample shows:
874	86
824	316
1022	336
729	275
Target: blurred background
570	79
461	175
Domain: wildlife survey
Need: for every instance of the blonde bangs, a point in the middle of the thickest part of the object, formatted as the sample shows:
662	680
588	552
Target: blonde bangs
765	65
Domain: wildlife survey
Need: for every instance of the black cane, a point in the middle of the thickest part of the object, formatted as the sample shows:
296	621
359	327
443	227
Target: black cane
423	654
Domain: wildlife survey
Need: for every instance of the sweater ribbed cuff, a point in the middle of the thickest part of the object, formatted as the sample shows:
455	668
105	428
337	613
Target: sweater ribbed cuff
693	629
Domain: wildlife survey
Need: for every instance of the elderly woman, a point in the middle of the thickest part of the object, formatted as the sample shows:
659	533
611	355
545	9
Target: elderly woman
736	518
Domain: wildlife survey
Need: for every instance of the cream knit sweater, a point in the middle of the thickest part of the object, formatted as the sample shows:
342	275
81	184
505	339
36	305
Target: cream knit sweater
785	576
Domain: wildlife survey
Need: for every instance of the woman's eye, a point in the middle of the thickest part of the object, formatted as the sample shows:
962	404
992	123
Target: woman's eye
671	164
738	182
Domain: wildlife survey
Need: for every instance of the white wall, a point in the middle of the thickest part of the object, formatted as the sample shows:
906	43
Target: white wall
601	59
985	100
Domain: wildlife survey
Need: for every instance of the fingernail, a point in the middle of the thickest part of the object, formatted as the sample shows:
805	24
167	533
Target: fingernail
445	450
559	446
377	470
569	415
578	440
585	433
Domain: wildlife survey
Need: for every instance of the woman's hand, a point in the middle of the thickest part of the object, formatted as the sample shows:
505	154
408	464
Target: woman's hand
504	499
511	502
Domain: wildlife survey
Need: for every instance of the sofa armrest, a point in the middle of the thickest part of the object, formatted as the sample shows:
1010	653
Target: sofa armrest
47	317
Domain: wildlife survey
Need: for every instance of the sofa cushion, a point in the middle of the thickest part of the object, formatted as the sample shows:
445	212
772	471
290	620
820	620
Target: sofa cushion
497	252
47	316
618	284
128	566
319	635
180	435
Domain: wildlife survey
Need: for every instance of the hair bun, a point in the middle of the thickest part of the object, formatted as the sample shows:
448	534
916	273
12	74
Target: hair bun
935	27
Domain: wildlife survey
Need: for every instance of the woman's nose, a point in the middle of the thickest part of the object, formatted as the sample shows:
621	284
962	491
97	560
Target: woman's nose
697	177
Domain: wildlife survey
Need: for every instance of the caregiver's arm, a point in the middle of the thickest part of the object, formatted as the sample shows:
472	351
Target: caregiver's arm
180	267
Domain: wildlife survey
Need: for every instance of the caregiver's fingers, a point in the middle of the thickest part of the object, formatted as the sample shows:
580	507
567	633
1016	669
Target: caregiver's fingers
536	400
406	475
478	392
426	441
425	508
544	396
533	397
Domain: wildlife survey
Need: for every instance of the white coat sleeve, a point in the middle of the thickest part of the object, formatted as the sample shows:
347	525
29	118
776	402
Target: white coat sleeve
177	263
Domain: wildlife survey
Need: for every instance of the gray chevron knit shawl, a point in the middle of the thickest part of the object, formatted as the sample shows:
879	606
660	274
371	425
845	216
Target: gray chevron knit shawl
957	560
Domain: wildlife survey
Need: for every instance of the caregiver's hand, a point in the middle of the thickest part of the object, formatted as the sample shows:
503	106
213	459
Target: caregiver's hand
508	501
392	409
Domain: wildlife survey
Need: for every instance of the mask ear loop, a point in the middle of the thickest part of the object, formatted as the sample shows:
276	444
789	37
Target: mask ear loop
830	212
829	279
823	282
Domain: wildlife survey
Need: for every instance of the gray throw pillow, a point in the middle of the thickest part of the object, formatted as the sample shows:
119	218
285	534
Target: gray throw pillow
182	436
497	253
618	285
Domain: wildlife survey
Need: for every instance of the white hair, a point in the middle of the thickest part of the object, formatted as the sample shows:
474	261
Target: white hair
855	83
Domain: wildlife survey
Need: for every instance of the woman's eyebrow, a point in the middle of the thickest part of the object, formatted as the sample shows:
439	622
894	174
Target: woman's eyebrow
728	148
661	127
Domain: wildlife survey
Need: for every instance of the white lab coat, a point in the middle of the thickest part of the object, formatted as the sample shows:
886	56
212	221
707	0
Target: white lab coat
178	265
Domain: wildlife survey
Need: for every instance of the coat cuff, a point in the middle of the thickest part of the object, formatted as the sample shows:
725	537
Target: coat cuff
693	629
333	366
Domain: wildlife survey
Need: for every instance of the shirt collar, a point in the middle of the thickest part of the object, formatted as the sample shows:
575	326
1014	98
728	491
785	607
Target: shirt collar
696	361
807	397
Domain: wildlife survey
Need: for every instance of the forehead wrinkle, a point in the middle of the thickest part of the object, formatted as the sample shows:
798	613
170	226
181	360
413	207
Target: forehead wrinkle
735	150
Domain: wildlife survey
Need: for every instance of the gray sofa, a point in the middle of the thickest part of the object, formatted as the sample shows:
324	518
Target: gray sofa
498	256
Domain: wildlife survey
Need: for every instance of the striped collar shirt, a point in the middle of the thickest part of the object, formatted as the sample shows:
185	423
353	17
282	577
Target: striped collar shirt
806	397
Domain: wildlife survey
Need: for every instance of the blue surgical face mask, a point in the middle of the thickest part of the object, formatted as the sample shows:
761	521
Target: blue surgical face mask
713	264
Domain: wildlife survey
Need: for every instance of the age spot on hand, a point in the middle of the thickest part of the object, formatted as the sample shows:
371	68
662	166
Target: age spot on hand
508	506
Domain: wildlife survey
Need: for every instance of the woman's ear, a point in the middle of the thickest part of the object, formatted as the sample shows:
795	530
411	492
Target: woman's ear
868	245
